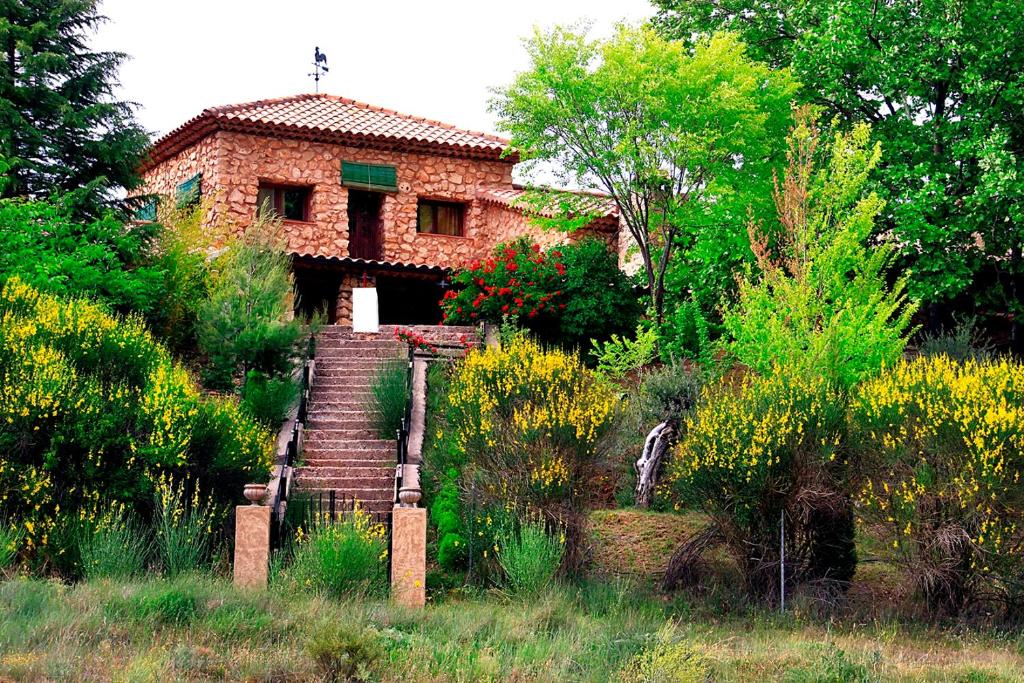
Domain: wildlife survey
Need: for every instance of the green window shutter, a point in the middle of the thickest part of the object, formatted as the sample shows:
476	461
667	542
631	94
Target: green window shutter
375	177
147	211
190	191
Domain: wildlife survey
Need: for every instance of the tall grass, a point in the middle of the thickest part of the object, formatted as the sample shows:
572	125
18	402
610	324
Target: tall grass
530	557
388	395
184	527
114	545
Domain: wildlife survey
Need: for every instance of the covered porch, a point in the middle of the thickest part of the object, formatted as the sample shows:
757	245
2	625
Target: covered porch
408	293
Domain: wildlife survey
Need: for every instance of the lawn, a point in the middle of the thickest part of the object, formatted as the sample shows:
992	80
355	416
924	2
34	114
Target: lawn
201	628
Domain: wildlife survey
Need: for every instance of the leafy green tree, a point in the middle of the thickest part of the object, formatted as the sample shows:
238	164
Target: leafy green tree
941	82
682	140
48	248
820	303
61	128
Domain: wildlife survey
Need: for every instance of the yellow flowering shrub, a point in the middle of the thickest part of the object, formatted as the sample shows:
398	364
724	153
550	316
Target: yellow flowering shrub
760	447
92	407
942	443
527	422
340	556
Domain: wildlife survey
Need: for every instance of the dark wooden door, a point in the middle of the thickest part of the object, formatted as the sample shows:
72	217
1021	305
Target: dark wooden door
364	233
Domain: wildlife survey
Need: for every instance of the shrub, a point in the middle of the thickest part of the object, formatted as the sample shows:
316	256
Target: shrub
620	356
343	556
832	666
184	527
963	342
760	448
346	652
529	557
113	544
269	399
566	295
821	304
445	512
10	541
388	395
246	323
668	659
530	422
668	392
91	403
942	450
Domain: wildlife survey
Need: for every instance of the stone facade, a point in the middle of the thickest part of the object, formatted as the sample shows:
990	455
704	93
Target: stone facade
234	164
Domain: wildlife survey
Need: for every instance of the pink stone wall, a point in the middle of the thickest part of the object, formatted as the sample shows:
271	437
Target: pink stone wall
234	164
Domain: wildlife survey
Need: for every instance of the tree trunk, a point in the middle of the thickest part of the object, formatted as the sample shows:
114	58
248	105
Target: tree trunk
655	447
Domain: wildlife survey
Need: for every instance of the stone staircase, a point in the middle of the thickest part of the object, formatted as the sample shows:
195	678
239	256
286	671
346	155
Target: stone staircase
341	449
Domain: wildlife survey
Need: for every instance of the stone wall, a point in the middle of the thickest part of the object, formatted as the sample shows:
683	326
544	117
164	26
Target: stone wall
234	164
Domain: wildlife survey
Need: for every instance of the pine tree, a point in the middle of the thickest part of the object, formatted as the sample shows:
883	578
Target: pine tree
61	128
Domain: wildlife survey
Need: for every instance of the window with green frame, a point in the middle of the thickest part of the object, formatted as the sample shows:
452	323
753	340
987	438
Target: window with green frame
190	192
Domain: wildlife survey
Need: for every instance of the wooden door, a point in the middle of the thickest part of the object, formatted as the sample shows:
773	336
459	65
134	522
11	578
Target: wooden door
364	225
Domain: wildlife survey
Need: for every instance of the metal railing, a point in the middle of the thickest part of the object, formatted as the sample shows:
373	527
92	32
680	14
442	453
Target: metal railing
293	446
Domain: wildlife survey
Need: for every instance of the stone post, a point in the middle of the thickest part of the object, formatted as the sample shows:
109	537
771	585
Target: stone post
252	540
409	556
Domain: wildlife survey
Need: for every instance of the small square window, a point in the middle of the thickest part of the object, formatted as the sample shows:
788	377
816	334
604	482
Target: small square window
290	202
440	218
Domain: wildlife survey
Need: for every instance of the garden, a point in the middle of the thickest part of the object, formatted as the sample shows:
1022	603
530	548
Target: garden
779	437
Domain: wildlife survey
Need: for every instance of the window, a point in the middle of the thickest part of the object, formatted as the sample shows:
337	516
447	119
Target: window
190	192
288	202
440	218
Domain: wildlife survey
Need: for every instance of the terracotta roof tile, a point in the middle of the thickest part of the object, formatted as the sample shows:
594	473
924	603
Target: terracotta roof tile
335	119
602	204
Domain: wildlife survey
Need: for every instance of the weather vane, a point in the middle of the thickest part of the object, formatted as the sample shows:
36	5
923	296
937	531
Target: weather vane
319	66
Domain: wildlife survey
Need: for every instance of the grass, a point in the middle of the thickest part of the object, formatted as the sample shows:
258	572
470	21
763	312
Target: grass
201	628
388	396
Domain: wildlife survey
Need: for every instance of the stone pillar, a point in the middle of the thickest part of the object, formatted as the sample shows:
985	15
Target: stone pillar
252	545
409	556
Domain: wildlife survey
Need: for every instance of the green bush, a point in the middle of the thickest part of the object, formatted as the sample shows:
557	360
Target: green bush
91	404
529	557
185	527
345	556
670	391
10	542
620	356
247	323
452	549
113	544
963	342
346	652
388	396
269	399
171	605
668	660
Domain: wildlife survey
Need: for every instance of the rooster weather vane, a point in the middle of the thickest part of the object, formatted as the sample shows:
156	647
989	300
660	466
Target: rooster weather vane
319	67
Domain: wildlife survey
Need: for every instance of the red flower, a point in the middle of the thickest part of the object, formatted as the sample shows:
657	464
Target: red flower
533	312
511	266
536	248
519	301
504	309
504	291
561	306
556	254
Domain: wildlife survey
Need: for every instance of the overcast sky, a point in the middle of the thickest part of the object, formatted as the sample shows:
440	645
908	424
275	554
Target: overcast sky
434	59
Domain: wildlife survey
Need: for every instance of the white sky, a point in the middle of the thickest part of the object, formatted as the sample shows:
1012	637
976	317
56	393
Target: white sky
432	59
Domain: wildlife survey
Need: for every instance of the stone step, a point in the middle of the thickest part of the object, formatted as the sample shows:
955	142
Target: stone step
371	469
332	432
335	395
377	485
376	505
331	421
350	463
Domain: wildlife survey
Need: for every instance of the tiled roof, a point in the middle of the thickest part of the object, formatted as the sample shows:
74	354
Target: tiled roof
600	204
369	264
329	118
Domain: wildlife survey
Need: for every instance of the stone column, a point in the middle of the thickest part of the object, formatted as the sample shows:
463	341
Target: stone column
409	556
252	545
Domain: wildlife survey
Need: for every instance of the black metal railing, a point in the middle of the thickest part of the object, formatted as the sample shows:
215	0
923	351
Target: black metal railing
307	510
292	448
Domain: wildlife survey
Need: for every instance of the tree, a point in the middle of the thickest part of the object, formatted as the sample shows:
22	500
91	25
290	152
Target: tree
668	132
941	82
61	129
819	303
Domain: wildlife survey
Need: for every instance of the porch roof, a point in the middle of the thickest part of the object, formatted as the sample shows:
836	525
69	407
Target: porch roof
368	265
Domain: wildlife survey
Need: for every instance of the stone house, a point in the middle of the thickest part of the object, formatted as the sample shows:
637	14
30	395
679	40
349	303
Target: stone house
365	195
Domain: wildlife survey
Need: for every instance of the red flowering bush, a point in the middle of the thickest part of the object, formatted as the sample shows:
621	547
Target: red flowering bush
414	339
566	295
